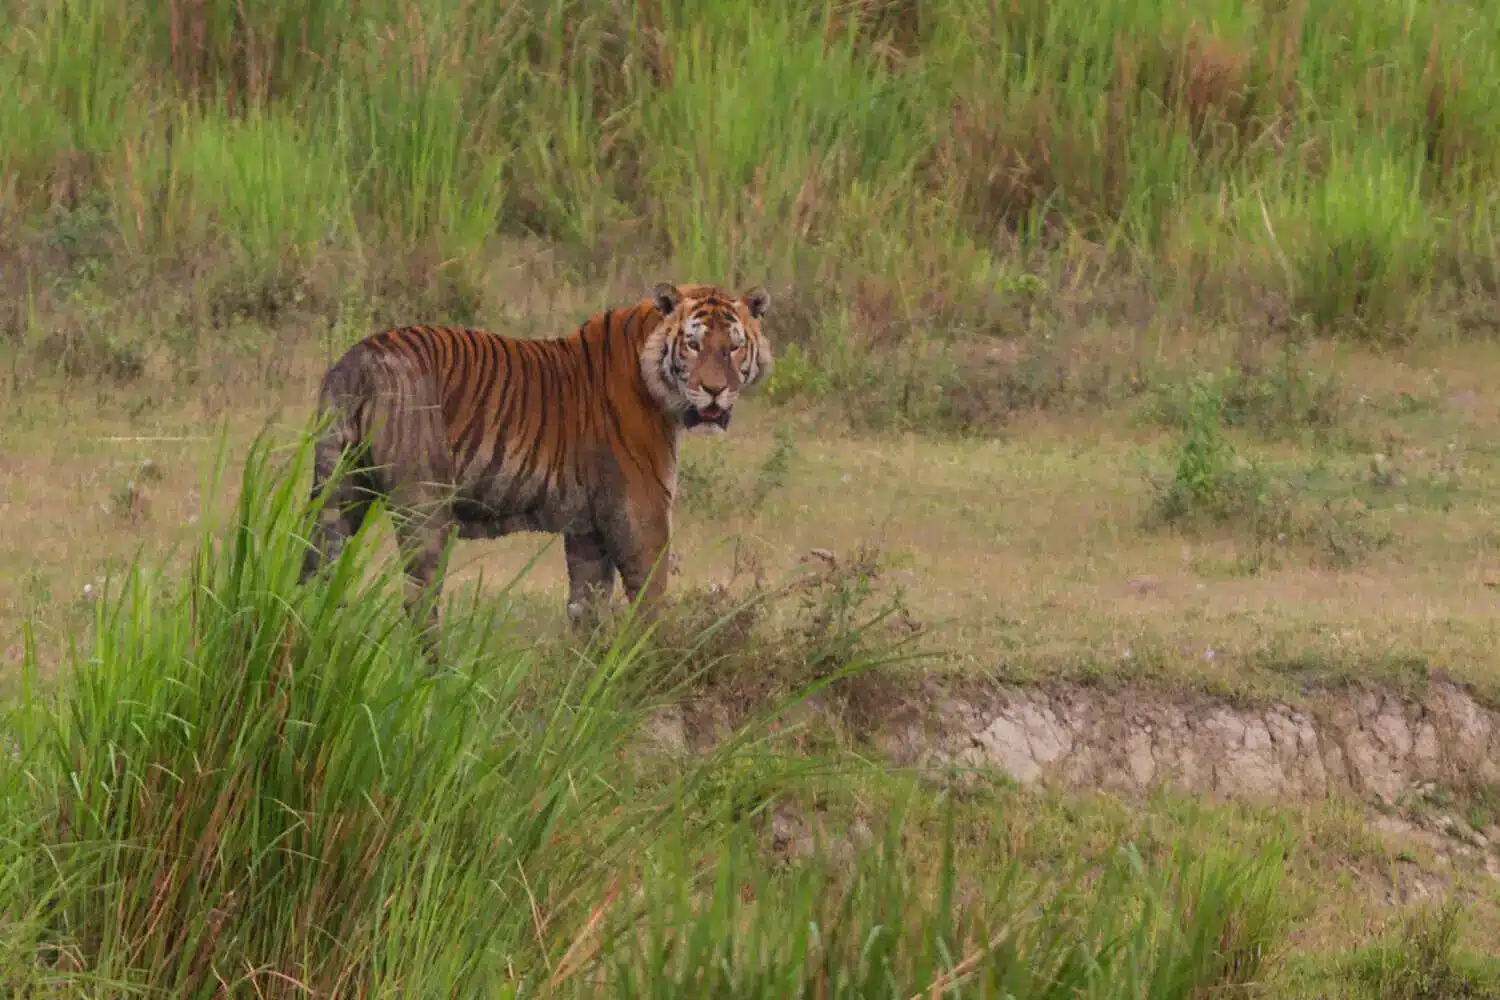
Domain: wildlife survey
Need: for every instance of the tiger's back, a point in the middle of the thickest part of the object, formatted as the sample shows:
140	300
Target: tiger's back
516	429
485	435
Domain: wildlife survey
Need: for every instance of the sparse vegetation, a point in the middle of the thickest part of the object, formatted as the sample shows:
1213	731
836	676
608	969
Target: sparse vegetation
1019	253
1423	963
1211	482
1210	478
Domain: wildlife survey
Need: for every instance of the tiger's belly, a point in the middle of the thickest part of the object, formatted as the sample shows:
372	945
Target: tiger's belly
497	511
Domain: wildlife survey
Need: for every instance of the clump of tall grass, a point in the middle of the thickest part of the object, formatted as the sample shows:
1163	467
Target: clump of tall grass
892	925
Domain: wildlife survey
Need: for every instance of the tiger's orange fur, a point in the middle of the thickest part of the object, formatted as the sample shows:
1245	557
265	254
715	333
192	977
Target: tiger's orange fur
480	435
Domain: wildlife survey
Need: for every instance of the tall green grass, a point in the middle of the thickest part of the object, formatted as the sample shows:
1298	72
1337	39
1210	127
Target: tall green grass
250	783
1344	157
248	786
1187	927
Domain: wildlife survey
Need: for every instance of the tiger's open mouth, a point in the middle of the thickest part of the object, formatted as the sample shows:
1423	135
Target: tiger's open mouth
711	415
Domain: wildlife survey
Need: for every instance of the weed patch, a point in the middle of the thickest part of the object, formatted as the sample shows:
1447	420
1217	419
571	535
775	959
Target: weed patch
1212	484
749	642
1210	479
1422	962
1275	402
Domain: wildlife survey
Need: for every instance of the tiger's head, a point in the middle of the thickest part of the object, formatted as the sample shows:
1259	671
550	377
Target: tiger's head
707	348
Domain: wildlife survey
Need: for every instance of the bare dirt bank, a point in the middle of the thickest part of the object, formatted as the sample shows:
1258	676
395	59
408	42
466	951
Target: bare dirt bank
1411	758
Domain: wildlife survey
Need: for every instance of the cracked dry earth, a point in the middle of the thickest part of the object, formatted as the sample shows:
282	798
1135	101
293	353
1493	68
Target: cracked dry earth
1394	753
1379	746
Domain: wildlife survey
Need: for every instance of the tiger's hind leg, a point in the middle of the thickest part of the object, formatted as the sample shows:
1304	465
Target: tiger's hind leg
330	533
343	512
591	578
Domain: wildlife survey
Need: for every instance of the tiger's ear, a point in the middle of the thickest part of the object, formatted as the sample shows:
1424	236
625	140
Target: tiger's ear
666	297
757	300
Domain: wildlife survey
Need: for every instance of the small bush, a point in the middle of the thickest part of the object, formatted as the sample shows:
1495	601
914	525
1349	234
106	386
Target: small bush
1210	479
1273	402
1211	484
772	473
704	481
795	375
748	645
707	482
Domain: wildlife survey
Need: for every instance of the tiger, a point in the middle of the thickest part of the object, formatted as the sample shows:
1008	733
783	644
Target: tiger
471	434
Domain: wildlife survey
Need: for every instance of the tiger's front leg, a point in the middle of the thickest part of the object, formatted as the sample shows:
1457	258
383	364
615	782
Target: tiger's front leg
644	552
424	526
591	577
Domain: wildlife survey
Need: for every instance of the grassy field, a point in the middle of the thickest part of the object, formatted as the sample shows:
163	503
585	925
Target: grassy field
1132	542
248	787
1116	341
